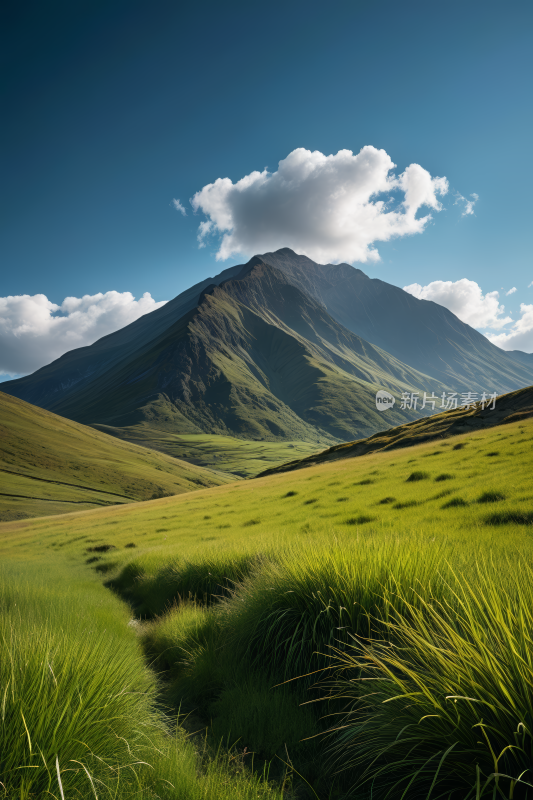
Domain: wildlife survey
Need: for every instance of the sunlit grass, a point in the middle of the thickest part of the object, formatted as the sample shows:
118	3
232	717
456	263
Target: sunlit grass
244	590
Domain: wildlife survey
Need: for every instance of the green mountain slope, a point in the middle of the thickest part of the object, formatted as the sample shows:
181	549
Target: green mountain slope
277	350
79	367
258	359
420	333
50	465
512	407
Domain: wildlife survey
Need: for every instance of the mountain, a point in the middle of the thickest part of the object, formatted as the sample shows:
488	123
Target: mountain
280	349
420	333
521	357
79	367
512	407
51	465
255	357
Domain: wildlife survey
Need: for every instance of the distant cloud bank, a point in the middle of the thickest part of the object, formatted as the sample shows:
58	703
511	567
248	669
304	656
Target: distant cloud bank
34	331
467	301
520	336
330	208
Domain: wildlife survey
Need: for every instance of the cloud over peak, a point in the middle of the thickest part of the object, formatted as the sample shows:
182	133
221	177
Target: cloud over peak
330	208
34	331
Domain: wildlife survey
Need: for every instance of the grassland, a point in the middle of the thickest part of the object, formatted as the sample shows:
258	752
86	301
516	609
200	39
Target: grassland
51	465
511	407
402	581
239	457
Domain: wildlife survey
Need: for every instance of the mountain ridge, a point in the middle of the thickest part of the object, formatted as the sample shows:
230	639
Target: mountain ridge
449	350
256	353
245	324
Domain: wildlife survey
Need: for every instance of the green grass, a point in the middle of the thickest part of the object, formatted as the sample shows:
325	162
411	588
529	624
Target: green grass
78	707
51	465
448	707
266	605
223	453
515	406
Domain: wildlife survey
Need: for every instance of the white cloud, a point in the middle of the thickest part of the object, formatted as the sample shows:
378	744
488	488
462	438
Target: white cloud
520	337
178	206
468	204
467	301
34	331
330	208
530	285
511	291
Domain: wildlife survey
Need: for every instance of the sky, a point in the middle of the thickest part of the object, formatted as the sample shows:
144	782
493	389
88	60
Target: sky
147	146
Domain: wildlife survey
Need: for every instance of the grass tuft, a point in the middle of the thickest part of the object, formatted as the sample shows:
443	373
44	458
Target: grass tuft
418	475
455	502
510	518
491	497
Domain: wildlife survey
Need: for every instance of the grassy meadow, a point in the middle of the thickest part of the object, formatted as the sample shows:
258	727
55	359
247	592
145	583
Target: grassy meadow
52	465
358	629
227	454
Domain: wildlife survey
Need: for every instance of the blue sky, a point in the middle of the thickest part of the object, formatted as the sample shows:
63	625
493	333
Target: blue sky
112	109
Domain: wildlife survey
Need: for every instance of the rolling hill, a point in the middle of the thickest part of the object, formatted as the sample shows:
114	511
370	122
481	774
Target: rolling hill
51	465
239	595
512	407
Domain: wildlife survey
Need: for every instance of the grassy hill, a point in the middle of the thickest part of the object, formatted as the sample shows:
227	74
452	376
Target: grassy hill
410	569
50	465
510	407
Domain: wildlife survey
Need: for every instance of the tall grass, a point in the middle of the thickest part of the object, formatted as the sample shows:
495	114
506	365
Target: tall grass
425	642
285	615
78	711
153	588
442	705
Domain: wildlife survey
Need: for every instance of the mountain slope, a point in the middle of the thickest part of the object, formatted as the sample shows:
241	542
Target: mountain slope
523	358
277	349
235	365
51	465
420	333
512	407
255	358
79	367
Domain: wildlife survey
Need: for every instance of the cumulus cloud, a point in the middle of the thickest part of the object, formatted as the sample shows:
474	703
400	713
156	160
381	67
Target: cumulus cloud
468	207
520	336
178	206
34	331
330	208
511	291
466	300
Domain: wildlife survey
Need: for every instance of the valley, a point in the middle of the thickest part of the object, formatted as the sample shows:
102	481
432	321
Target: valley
226	574
243	597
